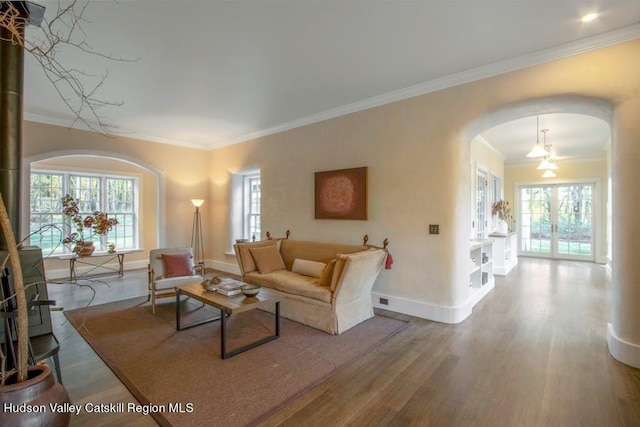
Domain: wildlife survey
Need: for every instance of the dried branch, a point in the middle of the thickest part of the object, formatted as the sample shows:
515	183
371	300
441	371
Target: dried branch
11	20
76	88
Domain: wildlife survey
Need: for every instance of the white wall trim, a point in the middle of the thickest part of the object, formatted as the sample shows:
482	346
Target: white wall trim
434	312
70	122
493	149
621	350
608	269
227	267
63	273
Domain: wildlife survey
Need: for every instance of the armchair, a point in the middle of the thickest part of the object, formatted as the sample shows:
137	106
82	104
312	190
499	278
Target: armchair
168	268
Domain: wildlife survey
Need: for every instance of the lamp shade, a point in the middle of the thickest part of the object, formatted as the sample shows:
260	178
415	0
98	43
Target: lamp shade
197	202
544	165
538	151
548	174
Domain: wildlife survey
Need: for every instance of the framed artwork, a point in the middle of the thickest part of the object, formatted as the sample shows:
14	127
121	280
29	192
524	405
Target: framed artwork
341	194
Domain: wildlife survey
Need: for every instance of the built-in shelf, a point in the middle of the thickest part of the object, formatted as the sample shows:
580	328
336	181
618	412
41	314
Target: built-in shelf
481	271
505	252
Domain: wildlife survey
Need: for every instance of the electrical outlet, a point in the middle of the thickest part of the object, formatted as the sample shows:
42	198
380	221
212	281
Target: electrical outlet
434	229
384	301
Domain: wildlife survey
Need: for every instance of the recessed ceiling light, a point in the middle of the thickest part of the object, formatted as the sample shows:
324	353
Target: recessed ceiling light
589	17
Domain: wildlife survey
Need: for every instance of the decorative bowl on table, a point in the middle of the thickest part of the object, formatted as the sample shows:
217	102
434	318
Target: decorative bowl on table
250	290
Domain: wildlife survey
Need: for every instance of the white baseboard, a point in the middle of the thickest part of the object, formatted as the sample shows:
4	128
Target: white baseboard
621	350
429	311
224	266
63	273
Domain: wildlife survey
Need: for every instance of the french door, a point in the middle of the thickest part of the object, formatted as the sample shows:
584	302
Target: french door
557	221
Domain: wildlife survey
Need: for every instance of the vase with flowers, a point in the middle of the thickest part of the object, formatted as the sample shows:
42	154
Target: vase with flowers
98	222
502	210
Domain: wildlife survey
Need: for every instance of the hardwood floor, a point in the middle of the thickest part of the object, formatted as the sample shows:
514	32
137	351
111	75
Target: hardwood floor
533	353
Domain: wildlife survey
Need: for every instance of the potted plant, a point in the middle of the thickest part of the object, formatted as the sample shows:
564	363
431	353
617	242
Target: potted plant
99	222
502	210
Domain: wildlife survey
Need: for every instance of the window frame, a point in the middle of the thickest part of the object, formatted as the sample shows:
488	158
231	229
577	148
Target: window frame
102	203
249	230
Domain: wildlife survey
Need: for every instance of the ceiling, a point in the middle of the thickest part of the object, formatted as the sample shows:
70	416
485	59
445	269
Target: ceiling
209	73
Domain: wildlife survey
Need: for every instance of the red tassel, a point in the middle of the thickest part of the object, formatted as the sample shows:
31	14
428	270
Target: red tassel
388	262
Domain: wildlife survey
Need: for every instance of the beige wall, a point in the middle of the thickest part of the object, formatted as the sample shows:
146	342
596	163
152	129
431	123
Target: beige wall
568	172
486	158
418	154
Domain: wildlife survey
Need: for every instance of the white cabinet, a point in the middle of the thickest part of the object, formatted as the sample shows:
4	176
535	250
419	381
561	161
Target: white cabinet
505	252
481	263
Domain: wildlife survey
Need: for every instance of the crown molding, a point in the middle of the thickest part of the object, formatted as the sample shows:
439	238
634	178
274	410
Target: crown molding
487	144
566	50
69	124
557	161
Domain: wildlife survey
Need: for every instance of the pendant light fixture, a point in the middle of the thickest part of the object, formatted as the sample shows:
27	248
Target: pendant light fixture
547	163
548	174
538	150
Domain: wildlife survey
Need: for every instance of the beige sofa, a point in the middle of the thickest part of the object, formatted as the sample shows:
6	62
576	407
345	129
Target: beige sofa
334	299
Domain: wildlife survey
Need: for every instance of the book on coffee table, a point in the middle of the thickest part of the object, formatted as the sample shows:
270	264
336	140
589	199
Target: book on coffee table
229	288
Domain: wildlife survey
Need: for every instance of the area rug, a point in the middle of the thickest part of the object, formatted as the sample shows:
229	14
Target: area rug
181	378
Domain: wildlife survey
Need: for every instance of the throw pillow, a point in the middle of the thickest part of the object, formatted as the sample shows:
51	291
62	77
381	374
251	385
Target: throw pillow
337	273
242	249
267	259
307	267
176	265
327	273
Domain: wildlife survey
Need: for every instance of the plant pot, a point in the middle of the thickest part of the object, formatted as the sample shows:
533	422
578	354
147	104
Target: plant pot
84	249
503	227
35	394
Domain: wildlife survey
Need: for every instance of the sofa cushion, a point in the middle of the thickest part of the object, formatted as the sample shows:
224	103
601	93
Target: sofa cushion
292	283
308	268
176	265
246	259
337	272
327	273
315	251
267	259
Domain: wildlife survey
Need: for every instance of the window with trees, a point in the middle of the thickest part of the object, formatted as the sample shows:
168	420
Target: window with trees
116	195
252	207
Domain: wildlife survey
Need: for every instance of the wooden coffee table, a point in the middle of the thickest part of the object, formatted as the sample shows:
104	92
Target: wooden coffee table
228	306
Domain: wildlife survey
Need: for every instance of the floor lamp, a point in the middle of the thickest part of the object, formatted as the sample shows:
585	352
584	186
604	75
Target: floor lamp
196	236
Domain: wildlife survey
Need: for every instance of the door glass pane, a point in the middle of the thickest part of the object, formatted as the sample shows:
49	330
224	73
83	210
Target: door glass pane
481	204
535	219
574	219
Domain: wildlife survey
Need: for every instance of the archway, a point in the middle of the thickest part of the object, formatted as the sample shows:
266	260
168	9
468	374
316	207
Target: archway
580	129
136	163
